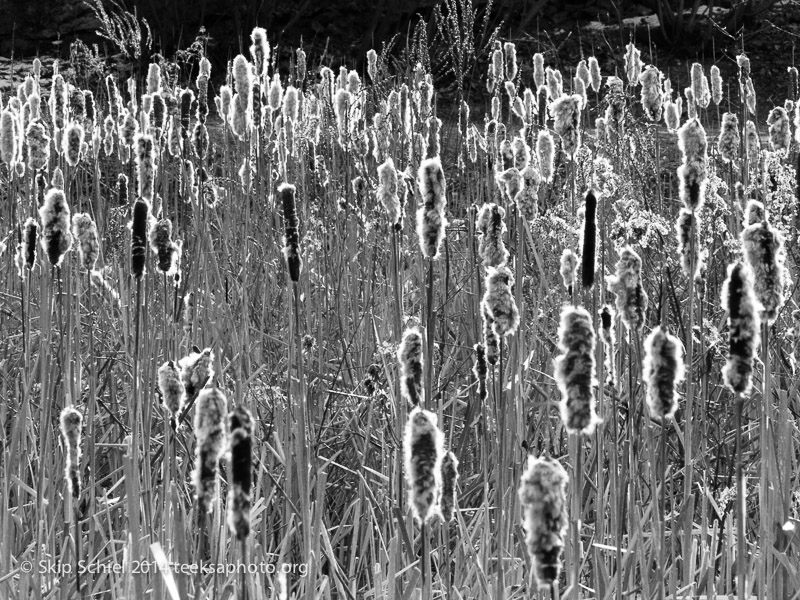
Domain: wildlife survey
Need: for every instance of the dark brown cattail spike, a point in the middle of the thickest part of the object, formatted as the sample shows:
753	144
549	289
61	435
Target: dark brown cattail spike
588	261
481	370
291	248
240	424
122	190
141	217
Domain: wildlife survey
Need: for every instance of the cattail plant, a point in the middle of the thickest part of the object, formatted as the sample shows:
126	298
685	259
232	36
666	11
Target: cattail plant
543	497
26	250
780	130
56	238
491	228
687	228
545	151
575	371
663	370
73	143
291	247
716	85
71	428
409	355
626	285
480	370
84	231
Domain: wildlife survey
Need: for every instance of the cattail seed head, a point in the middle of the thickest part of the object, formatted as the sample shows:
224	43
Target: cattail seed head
754	213
538	69
197	370
569	269
480	369
431	221
73	143
171	388
663	370
608	337
763	248
139	226
387	191
566	114
588	254
240	426
161	243
38	146
27	247
780	130
672	116
208	429
85	231
729	138
498	301
447	500
687	229
650	79
543	497
55	217
575	371
71	429
752	142
145	167
409	355
633	64
491	340
259	50
491	228
423	448
692	173
291	247
716	85
594	72
8	137
545	150
744	324
626	285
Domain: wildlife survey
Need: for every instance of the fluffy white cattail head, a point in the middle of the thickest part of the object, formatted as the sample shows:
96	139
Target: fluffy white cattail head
575	370
388	191
209	418
498	301
663	371
423	449
543	497
431	221
409	355
85	231
744	324
55	217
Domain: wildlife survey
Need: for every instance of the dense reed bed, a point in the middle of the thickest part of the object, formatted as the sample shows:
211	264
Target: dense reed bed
317	333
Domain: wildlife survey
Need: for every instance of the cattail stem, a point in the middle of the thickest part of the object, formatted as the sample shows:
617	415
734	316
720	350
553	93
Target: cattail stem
741	556
427	592
576	515
430	331
133	504
662	510
765	589
501	483
77	518
243	594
